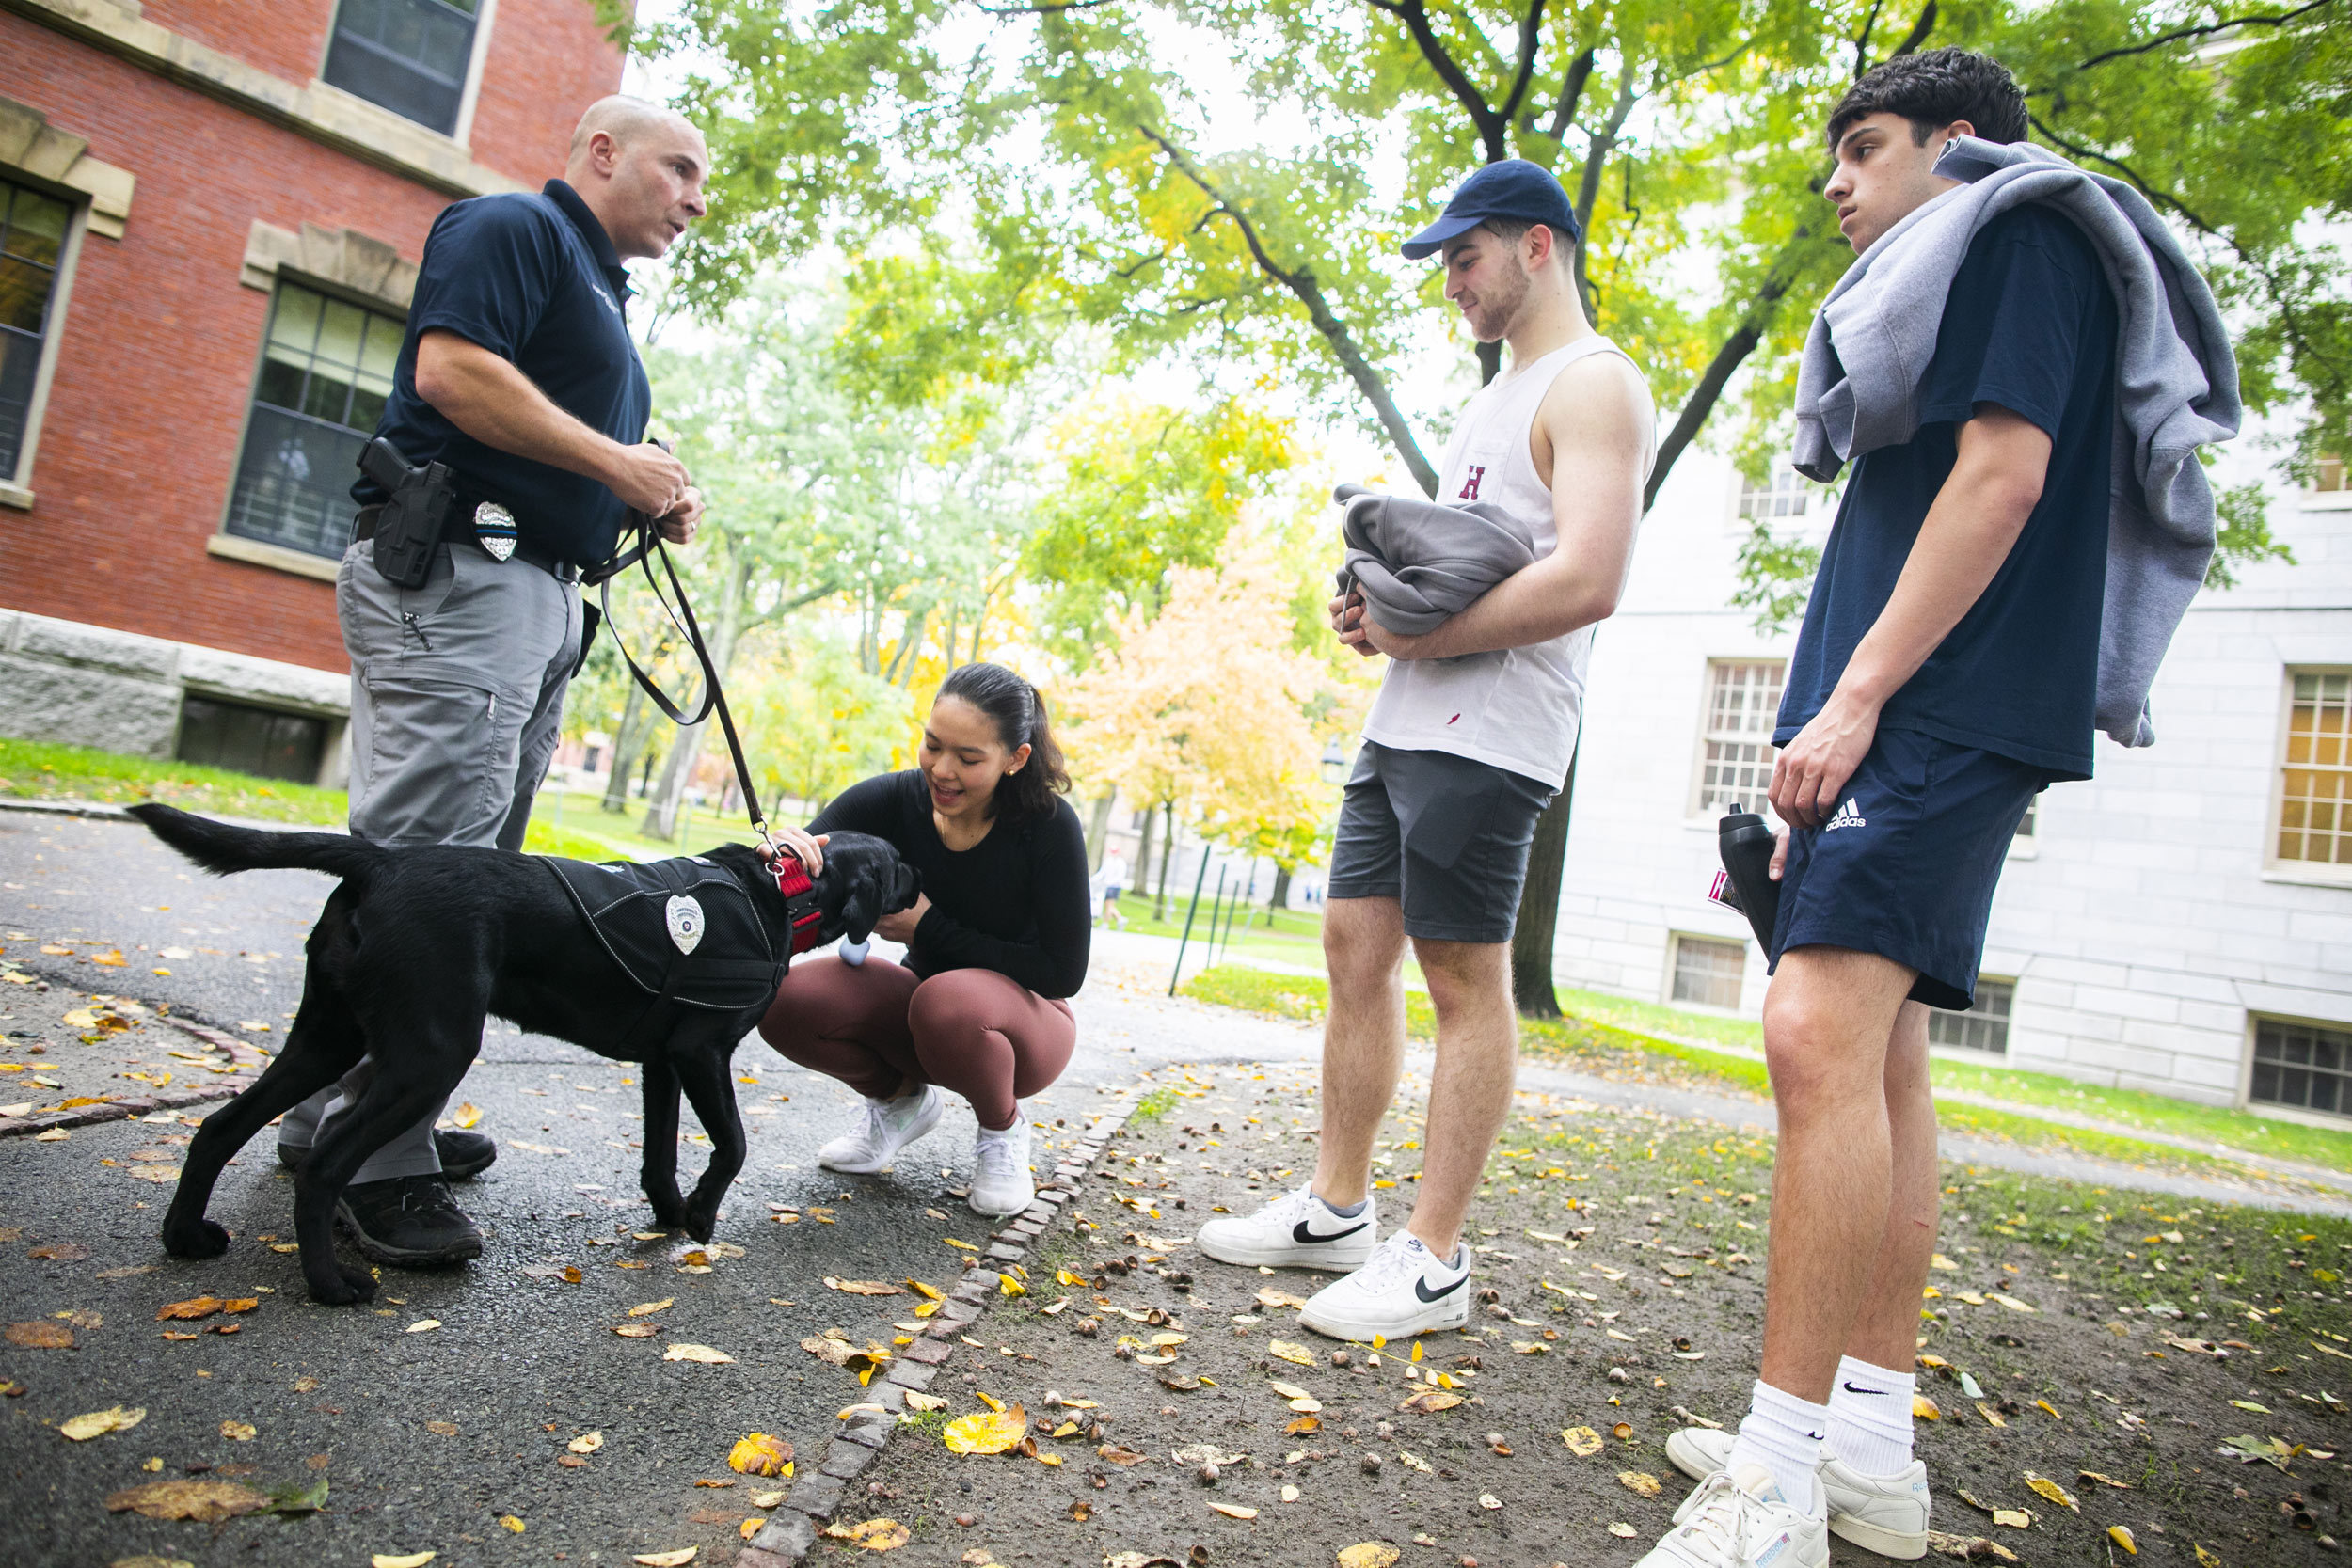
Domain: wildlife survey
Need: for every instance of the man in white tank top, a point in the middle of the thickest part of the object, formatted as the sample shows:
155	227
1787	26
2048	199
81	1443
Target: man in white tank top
1469	740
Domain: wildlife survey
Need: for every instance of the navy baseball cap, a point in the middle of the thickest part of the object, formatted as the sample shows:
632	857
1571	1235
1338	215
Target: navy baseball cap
1513	188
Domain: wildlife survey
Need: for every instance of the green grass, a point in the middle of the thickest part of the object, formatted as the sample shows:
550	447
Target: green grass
1605	1049
1153	1106
2155	1113
33	770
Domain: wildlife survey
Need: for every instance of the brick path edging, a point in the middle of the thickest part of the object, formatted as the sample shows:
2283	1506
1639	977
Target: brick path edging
249	1064
797	1523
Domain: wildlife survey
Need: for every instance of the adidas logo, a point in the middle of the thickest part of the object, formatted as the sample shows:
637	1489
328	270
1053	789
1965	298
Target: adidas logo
1849	816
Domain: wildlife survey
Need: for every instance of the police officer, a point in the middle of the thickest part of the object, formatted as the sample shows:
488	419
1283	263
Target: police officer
519	374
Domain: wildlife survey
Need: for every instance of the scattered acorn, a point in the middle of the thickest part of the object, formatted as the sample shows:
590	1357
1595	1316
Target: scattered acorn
966	1520
1490	1294
1089	1328
1209	1473
1619	1374
1372	1463
1341	1358
1124	1352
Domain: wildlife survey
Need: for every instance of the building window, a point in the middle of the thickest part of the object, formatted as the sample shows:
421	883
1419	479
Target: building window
2025	823
1709	972
412	56
325	372
247	739
32	244
2302	1066
2329	475
1784	494
2315	784
1985	1024
1735	759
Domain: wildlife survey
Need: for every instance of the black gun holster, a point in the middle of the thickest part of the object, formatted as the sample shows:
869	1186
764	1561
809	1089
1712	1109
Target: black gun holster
415	511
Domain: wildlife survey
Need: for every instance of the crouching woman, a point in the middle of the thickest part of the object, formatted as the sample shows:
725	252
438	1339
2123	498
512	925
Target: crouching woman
995	943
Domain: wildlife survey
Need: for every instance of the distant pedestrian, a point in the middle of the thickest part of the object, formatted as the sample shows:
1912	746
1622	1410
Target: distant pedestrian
1992	594
1467	741
996	942
1113	883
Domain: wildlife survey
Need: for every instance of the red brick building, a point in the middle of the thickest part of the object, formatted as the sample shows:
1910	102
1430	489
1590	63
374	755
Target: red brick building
211	212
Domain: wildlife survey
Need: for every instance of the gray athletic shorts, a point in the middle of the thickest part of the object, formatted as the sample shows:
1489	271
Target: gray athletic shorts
1445	836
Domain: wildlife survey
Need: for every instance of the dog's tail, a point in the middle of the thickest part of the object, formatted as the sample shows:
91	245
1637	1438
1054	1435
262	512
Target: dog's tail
221	849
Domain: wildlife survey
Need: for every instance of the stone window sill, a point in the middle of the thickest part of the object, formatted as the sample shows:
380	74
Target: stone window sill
255	553
15	496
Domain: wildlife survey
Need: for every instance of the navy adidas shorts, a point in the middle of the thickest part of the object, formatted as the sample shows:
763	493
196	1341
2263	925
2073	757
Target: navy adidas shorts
1906	866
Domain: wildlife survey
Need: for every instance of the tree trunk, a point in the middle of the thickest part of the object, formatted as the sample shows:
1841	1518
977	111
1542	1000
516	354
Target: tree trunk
1281	894
665	813
629	740
1143	856
1539	908
1168	857
1098	833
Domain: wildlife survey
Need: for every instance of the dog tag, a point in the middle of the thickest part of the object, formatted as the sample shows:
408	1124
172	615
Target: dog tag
686	923
494	529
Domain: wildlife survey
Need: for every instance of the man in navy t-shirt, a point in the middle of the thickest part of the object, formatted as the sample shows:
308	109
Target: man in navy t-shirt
1945	674
519	374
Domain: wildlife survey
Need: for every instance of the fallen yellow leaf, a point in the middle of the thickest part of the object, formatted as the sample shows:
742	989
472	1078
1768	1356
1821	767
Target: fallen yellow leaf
1299	1356
875	1535
422	1325
587	1442
195	1307
81	1429
239	1431
646	1309
759	1455
1369	1554
2052	1491
392	1560
678	1559
508	1522
702	1353
1234	1511
2123	1536
1637	1480
990	1432
1925	1408
1008	1286
1583	1441
467	1115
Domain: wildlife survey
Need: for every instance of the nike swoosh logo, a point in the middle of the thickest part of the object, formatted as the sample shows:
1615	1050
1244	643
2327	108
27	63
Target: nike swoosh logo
1305	1237
1876	1393
1421	1289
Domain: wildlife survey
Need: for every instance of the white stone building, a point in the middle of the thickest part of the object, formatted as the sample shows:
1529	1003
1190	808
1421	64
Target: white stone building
2182	922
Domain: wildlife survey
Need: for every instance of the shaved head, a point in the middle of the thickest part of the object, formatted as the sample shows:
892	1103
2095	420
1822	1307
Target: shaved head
627	119
640	168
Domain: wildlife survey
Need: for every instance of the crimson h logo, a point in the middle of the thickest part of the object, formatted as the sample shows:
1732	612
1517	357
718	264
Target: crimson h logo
1470	485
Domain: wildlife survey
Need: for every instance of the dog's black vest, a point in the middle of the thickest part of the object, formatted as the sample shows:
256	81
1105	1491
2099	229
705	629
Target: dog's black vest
684	930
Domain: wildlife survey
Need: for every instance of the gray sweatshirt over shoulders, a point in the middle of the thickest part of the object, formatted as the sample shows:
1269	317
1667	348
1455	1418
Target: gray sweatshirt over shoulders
2176	384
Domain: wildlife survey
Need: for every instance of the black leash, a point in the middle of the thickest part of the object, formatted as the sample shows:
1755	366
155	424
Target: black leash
649	545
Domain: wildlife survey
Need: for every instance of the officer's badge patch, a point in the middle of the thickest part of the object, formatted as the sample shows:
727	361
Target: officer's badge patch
494	529
686	923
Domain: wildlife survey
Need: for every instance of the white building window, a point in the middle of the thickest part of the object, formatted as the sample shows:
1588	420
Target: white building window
1735	755
1785	495
1984	1027
2302	1066
1708	972
2330	475
2315	780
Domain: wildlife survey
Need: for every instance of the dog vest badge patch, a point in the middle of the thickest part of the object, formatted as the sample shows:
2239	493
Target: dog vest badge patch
685	918
494	529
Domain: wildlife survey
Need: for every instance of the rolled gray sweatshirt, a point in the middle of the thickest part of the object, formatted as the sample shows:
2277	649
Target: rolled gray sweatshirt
1421	562
2175	384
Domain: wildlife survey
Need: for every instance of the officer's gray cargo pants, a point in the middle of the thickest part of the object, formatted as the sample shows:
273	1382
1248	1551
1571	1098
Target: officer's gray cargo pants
456	698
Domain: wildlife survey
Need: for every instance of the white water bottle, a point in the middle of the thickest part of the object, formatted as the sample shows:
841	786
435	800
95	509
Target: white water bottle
853	953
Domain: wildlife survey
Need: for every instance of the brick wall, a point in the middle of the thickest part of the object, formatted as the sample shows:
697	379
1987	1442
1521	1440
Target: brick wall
547	63
139	444
285	38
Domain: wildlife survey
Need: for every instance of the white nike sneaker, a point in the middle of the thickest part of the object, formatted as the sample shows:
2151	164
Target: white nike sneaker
1741	1522
1404	1288
1296	1231
1886	1515
886	1127
1000	1181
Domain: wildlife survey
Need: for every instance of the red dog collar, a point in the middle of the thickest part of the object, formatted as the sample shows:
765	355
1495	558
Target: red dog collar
799	899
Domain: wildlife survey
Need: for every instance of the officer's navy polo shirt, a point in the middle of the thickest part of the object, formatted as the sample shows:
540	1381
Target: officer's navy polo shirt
535	280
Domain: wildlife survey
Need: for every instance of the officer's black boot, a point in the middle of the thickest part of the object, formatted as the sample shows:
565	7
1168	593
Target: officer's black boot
409	1221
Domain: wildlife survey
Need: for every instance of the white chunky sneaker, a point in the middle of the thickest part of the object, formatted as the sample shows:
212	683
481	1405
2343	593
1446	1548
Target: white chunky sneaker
1886	1515
1741	1522
1296	1231
1403	1289
1000	1181
886	1127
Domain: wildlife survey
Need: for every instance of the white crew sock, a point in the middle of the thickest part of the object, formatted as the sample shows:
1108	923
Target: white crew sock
1869	1418
1784	1434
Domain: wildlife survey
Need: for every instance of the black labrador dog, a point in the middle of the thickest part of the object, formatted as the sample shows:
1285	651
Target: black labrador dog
418	945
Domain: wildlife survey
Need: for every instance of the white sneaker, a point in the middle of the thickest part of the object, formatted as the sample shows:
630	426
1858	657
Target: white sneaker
1296	1231
1000	1181
1404	1288
1886	1515
888	1126
1741	1522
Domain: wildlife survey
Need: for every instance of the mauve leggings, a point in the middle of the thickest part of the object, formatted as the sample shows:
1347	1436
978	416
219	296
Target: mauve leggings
879	1029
